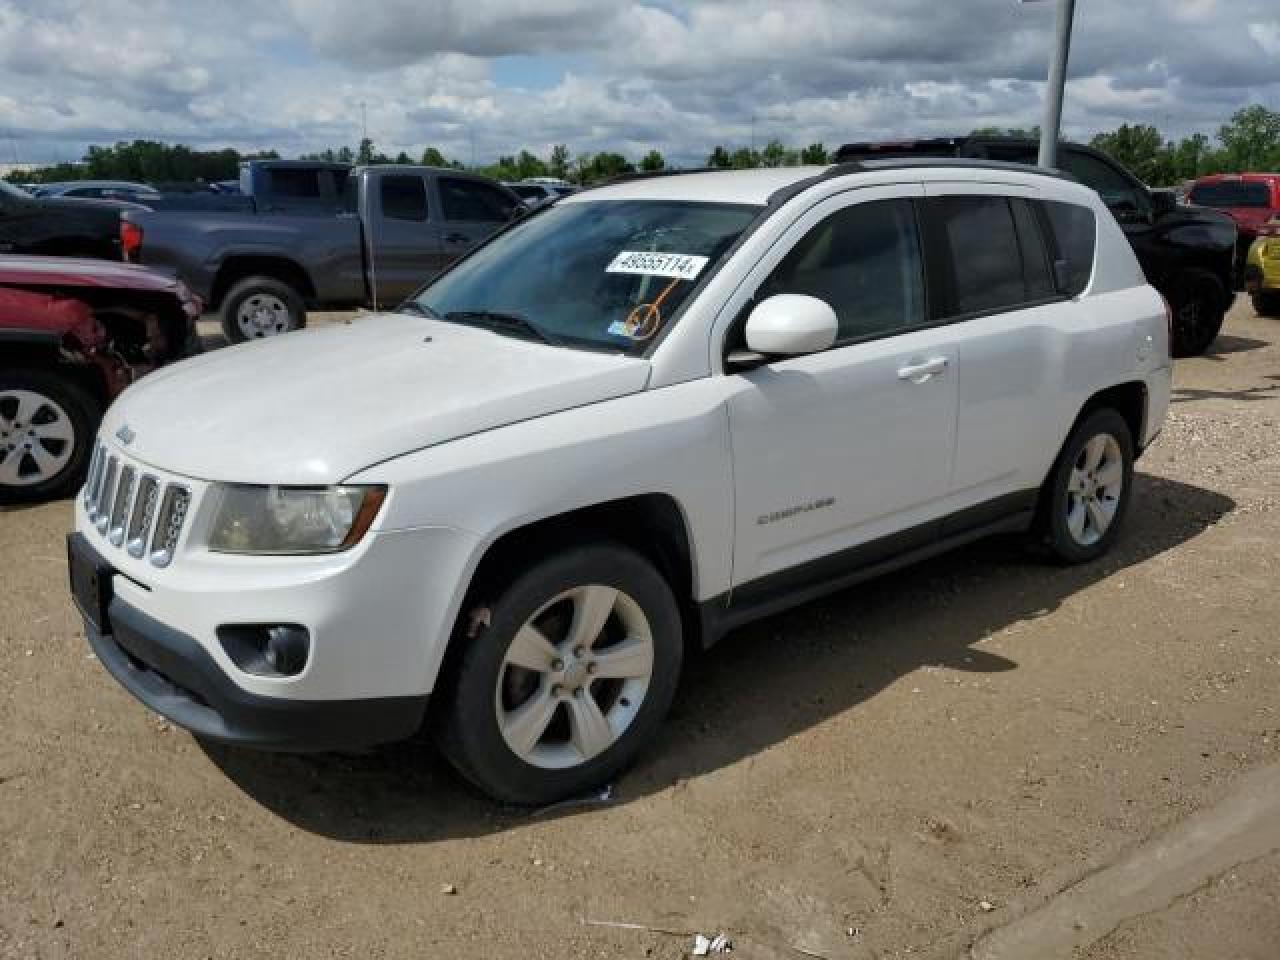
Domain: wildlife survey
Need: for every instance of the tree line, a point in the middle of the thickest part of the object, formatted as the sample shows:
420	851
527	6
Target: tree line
1249	141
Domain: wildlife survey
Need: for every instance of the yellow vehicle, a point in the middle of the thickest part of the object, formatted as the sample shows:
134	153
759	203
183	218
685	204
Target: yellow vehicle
1262	270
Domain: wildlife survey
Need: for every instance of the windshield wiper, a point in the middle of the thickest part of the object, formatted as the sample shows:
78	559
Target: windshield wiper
413	306
501	322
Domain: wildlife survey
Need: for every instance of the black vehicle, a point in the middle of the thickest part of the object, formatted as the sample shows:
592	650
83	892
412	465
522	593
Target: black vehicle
1186	252
58	226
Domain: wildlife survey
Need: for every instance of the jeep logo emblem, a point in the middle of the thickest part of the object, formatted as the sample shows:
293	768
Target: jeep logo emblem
125	435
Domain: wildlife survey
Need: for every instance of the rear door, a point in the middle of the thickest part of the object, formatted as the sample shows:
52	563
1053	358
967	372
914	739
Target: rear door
994	285
403	240
472	211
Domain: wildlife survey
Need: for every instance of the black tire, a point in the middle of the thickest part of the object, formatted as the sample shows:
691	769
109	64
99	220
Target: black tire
1059	501
273	292
63	396
1266	304
466	724
1199	308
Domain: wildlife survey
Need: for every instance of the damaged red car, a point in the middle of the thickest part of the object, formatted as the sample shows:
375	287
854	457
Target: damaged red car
73	335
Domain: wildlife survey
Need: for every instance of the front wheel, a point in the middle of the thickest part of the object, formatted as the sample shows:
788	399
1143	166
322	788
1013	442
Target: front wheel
1087	495
1199	308
573	673
46	431
258	307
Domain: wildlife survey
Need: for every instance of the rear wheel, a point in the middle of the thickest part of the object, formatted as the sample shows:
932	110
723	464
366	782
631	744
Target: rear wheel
258	307
46	431
573	673
1087	495
1199	308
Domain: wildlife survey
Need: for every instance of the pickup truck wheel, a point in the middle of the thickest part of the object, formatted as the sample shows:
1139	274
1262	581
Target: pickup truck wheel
46	431
1199	309
1088	492
574	671
257	307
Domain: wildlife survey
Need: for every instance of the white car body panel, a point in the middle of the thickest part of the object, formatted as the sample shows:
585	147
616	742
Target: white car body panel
476	435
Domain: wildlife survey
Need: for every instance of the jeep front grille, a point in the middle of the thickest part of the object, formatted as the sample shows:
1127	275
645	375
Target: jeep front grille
134	509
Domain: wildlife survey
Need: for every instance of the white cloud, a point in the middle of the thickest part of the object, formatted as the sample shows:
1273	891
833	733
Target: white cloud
679	75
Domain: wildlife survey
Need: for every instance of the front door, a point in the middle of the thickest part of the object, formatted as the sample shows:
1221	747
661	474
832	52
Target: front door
473	211
834	452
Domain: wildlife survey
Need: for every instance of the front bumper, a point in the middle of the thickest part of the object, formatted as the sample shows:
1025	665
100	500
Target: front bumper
172	674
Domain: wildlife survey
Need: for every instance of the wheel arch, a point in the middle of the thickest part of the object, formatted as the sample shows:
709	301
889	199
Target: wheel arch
237	267
652	524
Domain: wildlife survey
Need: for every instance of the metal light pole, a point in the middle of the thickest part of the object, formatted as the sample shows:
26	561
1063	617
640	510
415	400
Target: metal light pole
1057	83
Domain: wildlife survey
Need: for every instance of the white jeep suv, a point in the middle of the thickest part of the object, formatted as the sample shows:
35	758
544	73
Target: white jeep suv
632	421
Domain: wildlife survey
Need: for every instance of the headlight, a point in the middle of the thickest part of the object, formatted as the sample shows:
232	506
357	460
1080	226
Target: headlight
292	520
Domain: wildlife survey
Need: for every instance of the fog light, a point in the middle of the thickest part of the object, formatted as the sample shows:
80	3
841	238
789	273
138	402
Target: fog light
287	648
267	650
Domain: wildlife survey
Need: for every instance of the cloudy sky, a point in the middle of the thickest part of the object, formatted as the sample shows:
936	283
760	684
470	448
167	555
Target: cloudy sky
492	76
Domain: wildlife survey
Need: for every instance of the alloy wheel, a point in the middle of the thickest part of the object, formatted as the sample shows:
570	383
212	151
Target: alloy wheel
1094	489
574	677
37	438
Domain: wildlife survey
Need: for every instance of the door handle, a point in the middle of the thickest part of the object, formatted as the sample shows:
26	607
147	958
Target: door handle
924	371
456	238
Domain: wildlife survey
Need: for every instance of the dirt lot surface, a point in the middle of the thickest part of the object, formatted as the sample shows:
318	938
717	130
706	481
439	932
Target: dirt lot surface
925	766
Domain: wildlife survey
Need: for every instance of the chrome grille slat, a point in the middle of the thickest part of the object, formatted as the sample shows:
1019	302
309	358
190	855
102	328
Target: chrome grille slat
105	494
143	513
134	509
120	506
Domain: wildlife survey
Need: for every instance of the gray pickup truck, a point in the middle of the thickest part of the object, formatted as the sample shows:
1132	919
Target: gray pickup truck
319	236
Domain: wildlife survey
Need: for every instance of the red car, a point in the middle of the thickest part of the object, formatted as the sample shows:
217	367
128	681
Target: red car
1250	199
73	334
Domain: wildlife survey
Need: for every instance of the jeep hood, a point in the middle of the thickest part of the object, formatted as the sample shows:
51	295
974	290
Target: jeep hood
319	405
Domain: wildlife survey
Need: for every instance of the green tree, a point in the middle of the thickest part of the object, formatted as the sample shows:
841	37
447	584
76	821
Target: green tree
365	153
1140	148
719	158
744	158
775	154
814	153
652	162
1251	140
559	164
431	157
527	165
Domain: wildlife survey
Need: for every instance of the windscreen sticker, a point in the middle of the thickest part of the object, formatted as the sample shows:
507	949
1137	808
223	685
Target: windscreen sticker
678	266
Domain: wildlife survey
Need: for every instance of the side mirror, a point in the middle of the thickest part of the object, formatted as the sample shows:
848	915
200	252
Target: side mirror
791	324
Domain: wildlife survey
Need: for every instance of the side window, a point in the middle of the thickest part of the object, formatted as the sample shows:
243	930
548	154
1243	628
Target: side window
1074	236
1036	273
474	201
985	255
404	198
1116	190
296	184
865	262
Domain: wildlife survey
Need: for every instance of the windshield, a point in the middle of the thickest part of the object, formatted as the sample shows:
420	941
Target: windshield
607	274
1231	193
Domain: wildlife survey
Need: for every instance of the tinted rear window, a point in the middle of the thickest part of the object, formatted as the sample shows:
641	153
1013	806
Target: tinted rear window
1074	234
295	183
1231	193
986	257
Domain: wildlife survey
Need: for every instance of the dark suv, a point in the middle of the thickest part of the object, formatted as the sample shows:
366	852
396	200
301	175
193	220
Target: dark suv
1187	252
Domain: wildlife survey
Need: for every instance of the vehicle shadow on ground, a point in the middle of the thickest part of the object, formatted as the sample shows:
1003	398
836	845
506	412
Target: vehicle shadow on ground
758	687
1226	344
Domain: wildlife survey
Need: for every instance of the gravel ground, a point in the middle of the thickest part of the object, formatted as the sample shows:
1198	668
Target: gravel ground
890	772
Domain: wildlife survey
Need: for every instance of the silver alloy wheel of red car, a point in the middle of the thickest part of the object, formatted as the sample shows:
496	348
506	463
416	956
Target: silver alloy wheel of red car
37	438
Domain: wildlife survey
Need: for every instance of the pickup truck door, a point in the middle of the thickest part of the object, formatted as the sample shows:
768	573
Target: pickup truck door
837	449
402	239
473	210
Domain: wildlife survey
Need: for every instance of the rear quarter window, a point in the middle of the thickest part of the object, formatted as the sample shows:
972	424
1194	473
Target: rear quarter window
1231	193
1074	233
